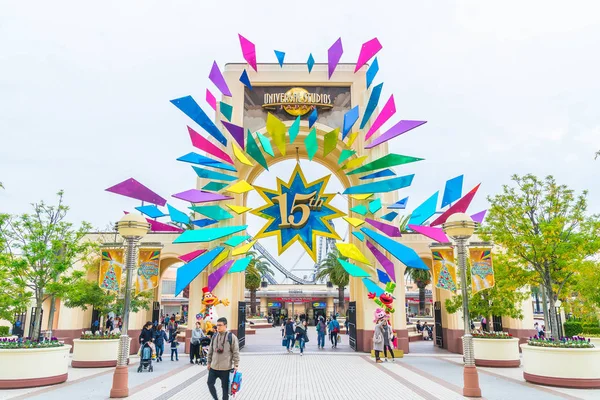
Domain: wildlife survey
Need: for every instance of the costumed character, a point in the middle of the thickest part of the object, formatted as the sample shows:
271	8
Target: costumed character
209	313
386	301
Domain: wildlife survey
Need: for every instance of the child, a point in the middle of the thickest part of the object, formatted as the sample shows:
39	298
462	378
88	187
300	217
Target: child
174	343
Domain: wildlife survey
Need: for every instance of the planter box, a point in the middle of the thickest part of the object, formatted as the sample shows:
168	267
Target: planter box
595	341
574	368
497	352
23	368
95	353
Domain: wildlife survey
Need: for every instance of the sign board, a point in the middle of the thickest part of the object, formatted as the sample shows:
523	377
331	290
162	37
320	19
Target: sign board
274	304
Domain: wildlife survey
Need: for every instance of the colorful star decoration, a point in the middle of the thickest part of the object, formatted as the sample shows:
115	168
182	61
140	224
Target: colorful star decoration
304	210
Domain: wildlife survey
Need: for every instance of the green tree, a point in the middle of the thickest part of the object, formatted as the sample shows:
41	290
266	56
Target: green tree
260	263
543	227
330	268
583	293
503	299
421	278
42	246
14	299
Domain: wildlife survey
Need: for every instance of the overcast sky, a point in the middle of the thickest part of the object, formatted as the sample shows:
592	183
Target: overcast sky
509	87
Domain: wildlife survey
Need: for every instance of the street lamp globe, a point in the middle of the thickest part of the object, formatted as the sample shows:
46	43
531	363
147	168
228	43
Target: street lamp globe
133	226
459	226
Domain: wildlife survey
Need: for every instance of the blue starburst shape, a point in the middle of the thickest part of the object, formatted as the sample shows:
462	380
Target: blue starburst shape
297	211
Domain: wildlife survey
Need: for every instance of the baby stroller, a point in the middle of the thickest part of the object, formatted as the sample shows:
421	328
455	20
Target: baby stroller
146	358
204	344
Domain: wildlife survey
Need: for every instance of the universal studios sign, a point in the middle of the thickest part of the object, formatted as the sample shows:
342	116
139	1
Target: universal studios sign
297	101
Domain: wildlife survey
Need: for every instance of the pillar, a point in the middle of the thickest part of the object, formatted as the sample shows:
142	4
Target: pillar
194	305
521	328
399	316
329	305
452	324
263	306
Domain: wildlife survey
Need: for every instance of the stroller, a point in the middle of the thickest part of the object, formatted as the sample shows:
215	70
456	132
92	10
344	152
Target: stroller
146	358
204	344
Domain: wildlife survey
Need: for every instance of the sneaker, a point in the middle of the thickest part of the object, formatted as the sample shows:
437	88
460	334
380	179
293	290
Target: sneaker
191	362
386	360
301	354
378	361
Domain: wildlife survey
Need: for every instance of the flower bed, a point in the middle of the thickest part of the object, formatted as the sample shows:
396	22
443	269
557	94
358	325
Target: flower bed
575	342
99	336
27	343
491	335
496	349
28	363
96	350
566	363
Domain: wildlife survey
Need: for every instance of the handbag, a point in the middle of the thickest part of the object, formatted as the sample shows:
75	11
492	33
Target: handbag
339	339
284	342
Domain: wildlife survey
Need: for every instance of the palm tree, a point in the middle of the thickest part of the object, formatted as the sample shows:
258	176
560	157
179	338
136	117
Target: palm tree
255	272
403	223
330	268
252	284
261	264
421	278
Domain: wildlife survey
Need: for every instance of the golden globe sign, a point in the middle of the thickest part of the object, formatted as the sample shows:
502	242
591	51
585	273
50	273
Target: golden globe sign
297	101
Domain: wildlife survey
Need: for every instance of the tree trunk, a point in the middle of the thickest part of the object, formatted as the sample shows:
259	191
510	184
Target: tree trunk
341	300
253	302
37	322
421	300
51	317
544	305
552	311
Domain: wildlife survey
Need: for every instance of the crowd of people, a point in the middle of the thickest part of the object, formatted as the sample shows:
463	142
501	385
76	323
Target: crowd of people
295	331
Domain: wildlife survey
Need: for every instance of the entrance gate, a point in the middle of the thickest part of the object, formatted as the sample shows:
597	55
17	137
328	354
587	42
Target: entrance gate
241	330
352	324
439	337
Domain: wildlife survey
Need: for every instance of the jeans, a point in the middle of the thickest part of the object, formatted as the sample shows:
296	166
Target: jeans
194	351
160	348
333	338
213	374
301	340
388	347
291	341
174	353
321	339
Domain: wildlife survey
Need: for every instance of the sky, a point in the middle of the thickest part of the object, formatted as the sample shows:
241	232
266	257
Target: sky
506	87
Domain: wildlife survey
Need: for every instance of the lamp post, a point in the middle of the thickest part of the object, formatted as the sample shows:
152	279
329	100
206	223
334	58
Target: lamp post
460	227
132	227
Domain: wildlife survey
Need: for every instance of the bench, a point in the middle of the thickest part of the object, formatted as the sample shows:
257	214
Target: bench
413	334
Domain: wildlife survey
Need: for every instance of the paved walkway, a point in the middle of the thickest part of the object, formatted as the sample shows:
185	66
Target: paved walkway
272	374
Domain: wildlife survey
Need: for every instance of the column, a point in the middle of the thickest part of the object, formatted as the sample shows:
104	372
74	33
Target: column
521	328
329	305
263	306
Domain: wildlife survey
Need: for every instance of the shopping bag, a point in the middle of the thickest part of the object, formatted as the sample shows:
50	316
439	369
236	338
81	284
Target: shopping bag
284	342
297	345
235	382
339	339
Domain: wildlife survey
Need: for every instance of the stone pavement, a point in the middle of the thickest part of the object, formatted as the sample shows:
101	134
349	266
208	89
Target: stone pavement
272	374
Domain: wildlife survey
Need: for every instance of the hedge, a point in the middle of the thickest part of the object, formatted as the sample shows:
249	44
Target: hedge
4	331
592	330
573	328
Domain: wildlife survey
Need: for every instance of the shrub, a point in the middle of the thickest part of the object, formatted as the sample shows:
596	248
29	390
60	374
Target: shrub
4	331
573	328
88	335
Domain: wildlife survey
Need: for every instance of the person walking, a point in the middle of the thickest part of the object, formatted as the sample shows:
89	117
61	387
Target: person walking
197	334
388	337
147	336
334	329
160	337
301	335
378	340
223	358
174	343
321	331
290	332
346	325
109	324
483	324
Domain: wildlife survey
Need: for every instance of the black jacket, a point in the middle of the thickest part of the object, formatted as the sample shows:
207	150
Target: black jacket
146	335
